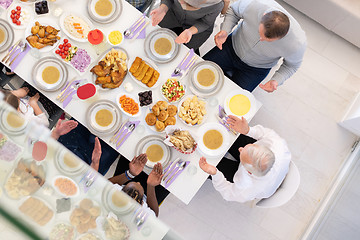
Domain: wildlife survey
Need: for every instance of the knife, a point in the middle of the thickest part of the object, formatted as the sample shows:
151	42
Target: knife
11	52
117	134
130	129
170	169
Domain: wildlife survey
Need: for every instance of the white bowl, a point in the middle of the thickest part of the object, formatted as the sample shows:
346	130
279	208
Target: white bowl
134	98
108	35
213	152
252	110
202	87
63	194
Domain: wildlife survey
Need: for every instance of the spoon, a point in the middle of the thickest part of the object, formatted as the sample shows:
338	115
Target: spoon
178	69
180	165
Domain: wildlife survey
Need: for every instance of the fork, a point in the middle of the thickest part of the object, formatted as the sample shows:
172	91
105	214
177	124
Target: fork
11	51
140	218
23	49
129	129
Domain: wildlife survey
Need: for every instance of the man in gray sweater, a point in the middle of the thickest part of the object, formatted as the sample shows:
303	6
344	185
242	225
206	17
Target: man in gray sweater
266	34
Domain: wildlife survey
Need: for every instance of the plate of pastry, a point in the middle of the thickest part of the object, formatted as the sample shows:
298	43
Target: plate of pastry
160	115
192	110
144	72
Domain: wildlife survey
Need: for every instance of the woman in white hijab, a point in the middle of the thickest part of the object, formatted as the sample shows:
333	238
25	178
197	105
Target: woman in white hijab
192	20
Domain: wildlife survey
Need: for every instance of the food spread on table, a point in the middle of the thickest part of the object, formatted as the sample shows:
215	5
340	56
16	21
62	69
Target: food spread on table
143	72
162	114
162	46
111	70
239	104
104	117
192	110
115	37
182	140
42	36
116	229
173	90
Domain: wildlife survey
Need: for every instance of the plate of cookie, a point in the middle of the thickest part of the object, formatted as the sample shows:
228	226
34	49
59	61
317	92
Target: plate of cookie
144	72
84	215
160	115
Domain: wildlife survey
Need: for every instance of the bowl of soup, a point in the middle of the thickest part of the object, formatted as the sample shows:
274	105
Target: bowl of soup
156	151
214	139
240	103
206	78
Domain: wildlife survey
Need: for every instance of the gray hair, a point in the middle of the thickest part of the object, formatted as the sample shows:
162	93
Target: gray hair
262	159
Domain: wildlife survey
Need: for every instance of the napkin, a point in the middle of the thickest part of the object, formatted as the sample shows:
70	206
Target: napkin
135	28
184	64
222	121
20	57
5	3
125	133
68	98
174	170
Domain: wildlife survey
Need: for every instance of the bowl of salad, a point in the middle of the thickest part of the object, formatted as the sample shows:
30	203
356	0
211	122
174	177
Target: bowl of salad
173	90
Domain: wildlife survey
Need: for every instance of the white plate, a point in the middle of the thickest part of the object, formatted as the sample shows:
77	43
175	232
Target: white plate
107	194
180	104
62	194
30	220
136	99
10	130
9	38
44	21
150	42
103	56
140	148
164	147
149	110
65	168
100	130
211	68
247	94
213	152
162	94
117	9
151	64
85	19
61	41
28	10
39	68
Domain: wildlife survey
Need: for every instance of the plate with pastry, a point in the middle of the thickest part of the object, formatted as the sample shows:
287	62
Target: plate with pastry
144	72
160	45
156	150
111	68
84	215
180	139
192	110
160	115
37	211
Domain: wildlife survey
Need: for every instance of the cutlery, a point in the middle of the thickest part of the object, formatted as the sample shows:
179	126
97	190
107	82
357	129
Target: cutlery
178	69
188	66
21	51
173	168
170	168
130	129
116	136
70	92
223	117
140	218
142	28
11	51
128	32
66	87
90	180
180	166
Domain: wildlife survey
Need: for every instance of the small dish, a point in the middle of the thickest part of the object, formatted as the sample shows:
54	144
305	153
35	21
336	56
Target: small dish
37	212
150	64
149	109
74	18
115	37
186	110
26	15
12	122
154	146
135	100
65	186
63	229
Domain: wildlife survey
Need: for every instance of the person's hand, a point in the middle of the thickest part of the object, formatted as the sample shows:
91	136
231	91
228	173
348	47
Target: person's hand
239	125
156	175
63	127
137	164
220	38
208	168
96	155
34	100
158	14
184	37
270	86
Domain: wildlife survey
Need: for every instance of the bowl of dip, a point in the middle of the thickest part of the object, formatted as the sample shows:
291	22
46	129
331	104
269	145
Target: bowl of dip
115	37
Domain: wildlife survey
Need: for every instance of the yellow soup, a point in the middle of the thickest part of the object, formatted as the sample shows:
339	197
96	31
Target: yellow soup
2	35
162	46
103	7
118	199
213	139
154	153
115	37
70	161
15	120
239	105
50	75
206	77
104	117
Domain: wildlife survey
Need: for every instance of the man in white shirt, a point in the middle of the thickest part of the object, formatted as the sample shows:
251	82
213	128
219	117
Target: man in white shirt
262	168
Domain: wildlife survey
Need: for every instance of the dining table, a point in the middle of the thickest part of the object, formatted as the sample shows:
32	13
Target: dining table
187	184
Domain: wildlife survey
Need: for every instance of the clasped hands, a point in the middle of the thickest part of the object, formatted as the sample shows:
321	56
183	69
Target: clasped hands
137	165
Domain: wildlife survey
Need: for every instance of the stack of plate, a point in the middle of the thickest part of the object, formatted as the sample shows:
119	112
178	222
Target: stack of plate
8	36
39	68
92	124
150	45
147	142
115	13
209	89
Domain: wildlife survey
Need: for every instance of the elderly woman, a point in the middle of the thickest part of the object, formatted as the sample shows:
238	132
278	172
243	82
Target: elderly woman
192	20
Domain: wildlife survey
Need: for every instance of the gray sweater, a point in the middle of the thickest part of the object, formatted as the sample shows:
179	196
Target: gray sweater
246	39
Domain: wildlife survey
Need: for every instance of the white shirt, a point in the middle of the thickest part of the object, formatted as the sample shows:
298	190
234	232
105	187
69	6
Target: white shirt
28	111
246	186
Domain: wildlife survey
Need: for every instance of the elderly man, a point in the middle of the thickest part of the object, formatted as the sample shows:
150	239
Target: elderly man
263	165
266	34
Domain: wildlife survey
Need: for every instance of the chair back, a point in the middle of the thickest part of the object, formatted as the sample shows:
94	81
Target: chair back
286	190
